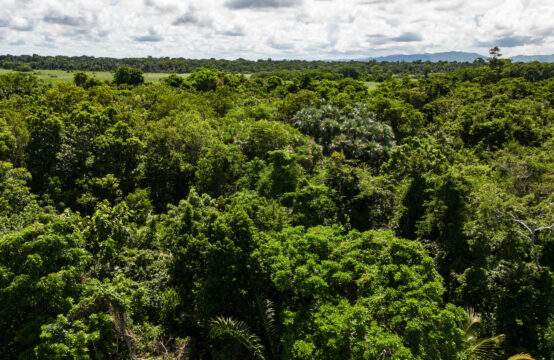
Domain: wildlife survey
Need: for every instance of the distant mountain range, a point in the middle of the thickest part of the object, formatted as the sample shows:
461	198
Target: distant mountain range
530	58
442	56
458	56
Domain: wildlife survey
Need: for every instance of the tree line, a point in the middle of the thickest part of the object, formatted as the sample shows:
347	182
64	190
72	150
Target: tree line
353	69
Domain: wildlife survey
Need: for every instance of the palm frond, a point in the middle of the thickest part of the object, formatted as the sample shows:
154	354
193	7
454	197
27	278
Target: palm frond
521	357
269	318
485	348
266	311
477	348
238	331
473	322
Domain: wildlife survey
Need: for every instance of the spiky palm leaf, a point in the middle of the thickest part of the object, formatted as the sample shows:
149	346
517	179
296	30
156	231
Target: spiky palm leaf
267	314
239	331
484	348
476	347
472	324
269	318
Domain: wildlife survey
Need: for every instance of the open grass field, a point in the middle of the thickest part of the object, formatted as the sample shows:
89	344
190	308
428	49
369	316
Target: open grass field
63	75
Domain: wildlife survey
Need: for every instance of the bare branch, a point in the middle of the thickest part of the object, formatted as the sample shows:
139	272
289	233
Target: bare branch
522	223
525	236
531	238
549	227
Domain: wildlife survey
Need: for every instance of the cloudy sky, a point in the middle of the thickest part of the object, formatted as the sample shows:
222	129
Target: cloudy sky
253	29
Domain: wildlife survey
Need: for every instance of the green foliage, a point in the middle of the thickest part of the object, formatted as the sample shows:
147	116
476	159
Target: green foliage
128	75
7	141
259	138
357	295
295	102
17	84
282	174
173	148
45	139
238	331
264	67
174	80
356	133
80	78
118	153
14	192
401	116
476	347
218	169
23	68
83	80
40	272
203	79
287	215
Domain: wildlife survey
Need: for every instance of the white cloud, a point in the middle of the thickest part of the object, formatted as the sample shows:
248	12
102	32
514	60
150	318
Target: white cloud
261	4
311	29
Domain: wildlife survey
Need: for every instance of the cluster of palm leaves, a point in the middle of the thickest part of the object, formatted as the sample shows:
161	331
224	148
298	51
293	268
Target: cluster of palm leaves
356	133
479	348
238	331
476	347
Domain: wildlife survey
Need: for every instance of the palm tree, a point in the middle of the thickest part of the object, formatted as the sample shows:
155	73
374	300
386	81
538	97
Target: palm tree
475	347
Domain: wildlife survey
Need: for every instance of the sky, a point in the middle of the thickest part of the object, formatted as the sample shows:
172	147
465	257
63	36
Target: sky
277	29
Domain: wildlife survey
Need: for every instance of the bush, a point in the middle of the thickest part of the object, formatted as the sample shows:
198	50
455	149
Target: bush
128	75
23	68
203	79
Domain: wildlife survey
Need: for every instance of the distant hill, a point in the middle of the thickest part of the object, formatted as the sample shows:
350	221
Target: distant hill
458	56
530	58
442	56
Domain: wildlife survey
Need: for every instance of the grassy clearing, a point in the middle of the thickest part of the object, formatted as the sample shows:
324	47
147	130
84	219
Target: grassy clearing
52	76
62	75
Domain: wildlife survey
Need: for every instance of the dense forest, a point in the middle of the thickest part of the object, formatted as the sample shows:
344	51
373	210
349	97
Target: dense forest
289	215
354	69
